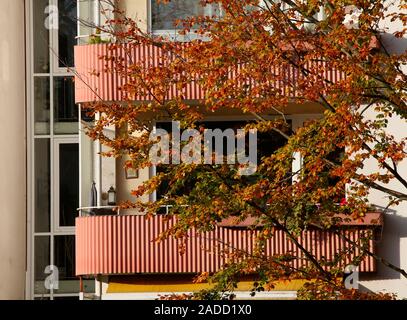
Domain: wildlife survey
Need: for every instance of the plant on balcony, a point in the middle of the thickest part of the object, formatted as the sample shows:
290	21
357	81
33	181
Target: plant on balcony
97	38
260	62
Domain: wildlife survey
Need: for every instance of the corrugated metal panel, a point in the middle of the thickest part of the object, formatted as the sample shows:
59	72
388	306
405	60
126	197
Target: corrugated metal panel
126	245
98	79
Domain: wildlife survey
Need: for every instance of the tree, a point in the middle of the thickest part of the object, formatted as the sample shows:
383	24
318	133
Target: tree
258	58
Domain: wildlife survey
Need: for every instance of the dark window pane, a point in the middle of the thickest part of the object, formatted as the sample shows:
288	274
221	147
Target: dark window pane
326	180
41	33
68	183
41	105
87	116
65	110
336	157
67	32
42	185
42	260
64	259
270	142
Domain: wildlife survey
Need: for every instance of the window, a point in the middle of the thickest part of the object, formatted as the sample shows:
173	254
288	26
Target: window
41	46
64	257
92	13
67	32
66	181
43	258
164	16
336	157
42	185
41	105
267	144
66	114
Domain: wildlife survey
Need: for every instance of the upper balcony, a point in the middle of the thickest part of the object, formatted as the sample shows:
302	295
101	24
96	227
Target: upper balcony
118	245
97	79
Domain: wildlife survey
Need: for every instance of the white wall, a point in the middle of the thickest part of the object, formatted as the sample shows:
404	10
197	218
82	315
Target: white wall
12	151
87	176
393	245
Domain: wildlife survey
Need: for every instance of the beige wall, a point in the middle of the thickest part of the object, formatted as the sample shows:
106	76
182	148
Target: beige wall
137	10
12	150
125	185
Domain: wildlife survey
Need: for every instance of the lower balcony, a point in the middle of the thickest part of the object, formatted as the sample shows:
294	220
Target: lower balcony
123	245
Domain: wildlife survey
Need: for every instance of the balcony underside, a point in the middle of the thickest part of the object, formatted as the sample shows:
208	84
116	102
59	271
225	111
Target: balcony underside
118	245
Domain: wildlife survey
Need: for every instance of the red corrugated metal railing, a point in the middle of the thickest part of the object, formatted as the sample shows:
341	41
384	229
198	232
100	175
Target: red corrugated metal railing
97	79
126	245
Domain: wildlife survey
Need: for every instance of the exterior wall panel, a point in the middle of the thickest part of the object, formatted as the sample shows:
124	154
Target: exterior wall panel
13	217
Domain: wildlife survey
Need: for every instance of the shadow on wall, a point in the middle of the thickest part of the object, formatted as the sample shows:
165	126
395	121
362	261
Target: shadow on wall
388	247
392	44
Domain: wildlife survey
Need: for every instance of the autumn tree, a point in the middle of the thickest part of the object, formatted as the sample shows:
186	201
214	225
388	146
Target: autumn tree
258	58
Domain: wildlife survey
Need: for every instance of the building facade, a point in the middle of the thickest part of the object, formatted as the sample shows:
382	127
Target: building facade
50	168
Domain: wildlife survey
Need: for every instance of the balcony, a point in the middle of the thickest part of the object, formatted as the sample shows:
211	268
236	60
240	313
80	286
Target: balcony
119	245
97	79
